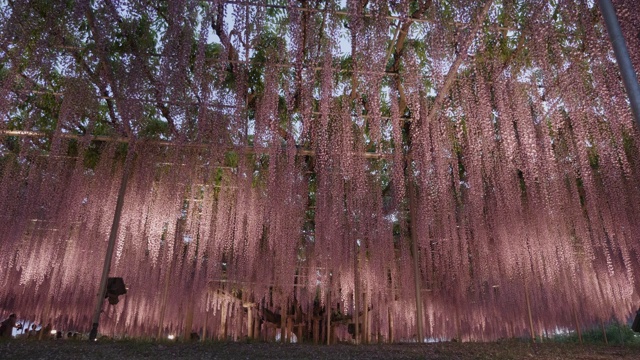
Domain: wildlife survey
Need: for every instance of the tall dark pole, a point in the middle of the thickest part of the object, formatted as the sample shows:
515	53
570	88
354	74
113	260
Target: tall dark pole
113	235
416	263
622	57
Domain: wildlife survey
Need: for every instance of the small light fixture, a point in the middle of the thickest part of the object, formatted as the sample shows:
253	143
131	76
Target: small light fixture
171	337
53	332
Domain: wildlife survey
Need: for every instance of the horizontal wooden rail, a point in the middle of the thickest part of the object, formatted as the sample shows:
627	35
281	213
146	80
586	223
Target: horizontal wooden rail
240	149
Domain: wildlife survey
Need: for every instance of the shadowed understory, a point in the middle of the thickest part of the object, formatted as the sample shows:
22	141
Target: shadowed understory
20	349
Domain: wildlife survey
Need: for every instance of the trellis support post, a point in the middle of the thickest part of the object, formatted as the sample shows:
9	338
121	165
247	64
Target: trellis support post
113	235
622	56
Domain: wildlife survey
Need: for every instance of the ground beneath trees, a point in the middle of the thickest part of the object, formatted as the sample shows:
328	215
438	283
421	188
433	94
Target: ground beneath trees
24	349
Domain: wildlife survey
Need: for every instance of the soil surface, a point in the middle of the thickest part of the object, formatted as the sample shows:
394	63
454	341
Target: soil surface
70	349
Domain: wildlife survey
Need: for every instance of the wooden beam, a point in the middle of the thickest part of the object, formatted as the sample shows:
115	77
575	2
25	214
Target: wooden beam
240	149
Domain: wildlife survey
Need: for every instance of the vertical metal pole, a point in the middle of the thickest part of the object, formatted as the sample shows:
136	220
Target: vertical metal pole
206	323
622	57
390	333
575	318
188	326
416	269
366	323
328	305
163	304
250	322
416	263
526	295
112	242
222	332
283	323
356	293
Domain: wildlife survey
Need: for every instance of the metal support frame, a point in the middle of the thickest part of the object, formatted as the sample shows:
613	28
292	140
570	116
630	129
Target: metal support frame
622	56
113	235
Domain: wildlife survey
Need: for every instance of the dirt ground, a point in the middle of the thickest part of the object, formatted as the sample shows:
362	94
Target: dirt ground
24	349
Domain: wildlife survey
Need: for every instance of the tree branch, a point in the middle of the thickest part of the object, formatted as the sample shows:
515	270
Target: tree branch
402	33
164	109
453	70
104	61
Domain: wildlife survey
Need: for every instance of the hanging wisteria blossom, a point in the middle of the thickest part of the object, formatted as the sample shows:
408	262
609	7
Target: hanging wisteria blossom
297	169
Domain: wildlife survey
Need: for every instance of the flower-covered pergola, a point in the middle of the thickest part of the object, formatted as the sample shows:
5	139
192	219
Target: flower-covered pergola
415	169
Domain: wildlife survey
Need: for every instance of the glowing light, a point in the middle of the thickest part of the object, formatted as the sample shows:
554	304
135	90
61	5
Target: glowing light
171	337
